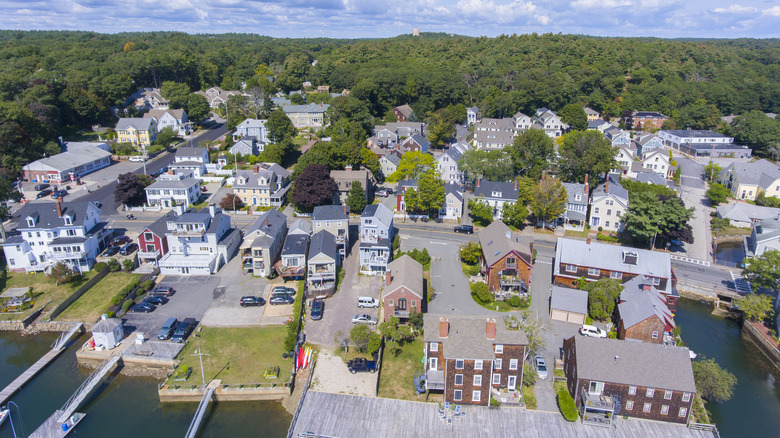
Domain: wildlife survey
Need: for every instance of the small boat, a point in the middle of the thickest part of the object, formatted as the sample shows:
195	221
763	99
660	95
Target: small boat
3	415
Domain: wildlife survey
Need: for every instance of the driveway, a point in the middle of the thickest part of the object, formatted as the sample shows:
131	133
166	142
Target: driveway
342	306
225	309
332	375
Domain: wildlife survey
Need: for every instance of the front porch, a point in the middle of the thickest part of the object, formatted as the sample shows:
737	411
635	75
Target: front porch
510	284
597	409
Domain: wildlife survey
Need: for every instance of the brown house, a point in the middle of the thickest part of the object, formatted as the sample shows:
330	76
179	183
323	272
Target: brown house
403	291
642	312
506	266
610	377
402	112
470	358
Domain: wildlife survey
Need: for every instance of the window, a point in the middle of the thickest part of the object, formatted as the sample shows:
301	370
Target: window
686	397
499	349
11	262
571	268
596	388
401	304
664	410
148	237
476	396
496	379
511	261
650	392
459	379
667	394
458	396
606	224
656	281
616	275
594	272
434	346
477	380
512	364
632	390
596	210
629	405
458	364
683	412
609	212
390	302
477	364
497	364
655	335
434	362
646	407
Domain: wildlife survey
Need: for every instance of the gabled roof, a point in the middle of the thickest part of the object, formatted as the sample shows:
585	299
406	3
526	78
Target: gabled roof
507	191
315	108
634	363
251	123
405	109
191	151
405	271
160	226
454	189
300	226
271	223
650	178
139	123
747	212
761	173
106	325
323	243
455	152
360	175
156	114
46	213
411	182
330	213
569	300
590	111
610	188
636	305
466	337
295	244
574	189
393	157
184	183
497	240
419	139
379	212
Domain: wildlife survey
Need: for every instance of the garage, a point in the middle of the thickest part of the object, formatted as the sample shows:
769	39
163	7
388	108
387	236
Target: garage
568	305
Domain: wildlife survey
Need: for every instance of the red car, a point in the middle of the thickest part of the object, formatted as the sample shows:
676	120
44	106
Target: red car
121	240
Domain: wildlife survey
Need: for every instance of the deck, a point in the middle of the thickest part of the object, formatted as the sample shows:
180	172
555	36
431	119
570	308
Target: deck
351	416
28	374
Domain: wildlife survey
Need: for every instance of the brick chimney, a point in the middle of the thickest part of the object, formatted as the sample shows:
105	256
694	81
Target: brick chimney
345	208
266	221
515	184
606	188
59	206
490	328
254	169
478	180
388	277
586	184
646	287
444	327
170	172
348	168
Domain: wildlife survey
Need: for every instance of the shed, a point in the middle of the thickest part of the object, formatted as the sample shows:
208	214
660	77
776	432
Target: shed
568	305
107	333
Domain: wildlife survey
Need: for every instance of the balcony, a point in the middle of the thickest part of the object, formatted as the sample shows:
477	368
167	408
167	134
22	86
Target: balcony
191	232
149	255
597	409
511	280
62	255
401	313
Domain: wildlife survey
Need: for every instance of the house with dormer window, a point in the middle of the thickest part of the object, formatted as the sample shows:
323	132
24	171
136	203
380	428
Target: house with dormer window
576	214
53	232
252	128
496	194
607	204
190	160
335	220
153	240
447	163
139	131
263	243
266	184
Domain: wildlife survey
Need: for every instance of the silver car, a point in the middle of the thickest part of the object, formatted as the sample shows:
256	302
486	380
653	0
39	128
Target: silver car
541	367
363	318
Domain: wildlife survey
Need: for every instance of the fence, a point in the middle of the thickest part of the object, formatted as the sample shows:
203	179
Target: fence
300	402
79	292
705	427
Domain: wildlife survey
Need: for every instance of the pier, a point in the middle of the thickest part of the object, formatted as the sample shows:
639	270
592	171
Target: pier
57	347
201	411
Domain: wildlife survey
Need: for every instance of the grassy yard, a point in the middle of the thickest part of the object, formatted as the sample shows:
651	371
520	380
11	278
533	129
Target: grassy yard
43	290
730	231
97	300
580	234
397	378
236	355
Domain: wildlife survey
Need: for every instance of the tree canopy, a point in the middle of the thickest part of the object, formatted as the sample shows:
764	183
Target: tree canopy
130	189
602	297
489	165
585	152
429	196
413	164
657	217
533	151
764	271
713	383
574	115
548	200
313	187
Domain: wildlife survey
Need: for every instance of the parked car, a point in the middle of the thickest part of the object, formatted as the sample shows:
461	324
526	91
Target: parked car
59	194
367	302
157	300
143	308
137	159
541	367
360	364
167	329
382	192
281	299
42	193
252	301
128	249
465	229
120	240
281	290
317	309
41	186
203	188
592	331
183	330
163	291
111	250
362	317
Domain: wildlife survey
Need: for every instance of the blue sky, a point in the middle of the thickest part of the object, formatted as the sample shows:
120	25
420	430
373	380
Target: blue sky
383	18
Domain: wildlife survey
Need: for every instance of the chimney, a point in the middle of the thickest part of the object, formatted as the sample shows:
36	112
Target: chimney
606	188
345	208
212	210
515	184
586	183
348	168
490	329
478	180
170	172
587	241
407	177
254	169
444	327
388	277
59	206
266	221
646	287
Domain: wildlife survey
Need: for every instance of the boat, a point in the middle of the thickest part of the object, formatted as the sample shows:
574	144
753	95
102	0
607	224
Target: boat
3	415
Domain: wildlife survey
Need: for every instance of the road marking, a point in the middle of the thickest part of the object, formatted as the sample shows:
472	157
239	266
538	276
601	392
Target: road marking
544	246
690	260
439	243
545	262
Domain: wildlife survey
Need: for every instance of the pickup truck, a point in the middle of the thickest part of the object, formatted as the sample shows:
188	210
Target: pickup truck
362	365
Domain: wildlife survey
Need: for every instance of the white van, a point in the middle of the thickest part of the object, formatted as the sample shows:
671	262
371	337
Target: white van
367	302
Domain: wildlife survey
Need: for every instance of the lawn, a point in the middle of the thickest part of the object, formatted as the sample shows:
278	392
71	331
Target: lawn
397	376
236	355
97	300
43	290
730	231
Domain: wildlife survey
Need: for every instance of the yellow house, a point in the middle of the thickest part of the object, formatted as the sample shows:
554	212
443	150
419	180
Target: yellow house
265	185
592	114
138	131
746	180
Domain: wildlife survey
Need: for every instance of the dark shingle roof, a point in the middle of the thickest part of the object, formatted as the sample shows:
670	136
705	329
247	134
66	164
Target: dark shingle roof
508	190
47	214
467	336
570	300
323	243
497	240
330	213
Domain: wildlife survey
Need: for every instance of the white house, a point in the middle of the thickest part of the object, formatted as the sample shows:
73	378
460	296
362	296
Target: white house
376	234
389	163
252	128
746	179
496	195
171	190
447	163
52	232
175	119
522	122
608	202
307	116
77	160
658	162
199	243
472	115
190	159
549	121
107	333
263	243
246	146
685	137
453	202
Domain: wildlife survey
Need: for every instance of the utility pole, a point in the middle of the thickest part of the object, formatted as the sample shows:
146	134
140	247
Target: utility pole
143	147
200	357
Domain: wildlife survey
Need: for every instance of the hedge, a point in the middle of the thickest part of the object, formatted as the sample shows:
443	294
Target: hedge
566	404
292	325
126	305
100	266
125	291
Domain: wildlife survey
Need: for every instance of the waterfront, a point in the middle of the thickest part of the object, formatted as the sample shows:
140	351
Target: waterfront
755	407
128	406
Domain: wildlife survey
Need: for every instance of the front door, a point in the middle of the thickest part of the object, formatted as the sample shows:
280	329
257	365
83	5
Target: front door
512	382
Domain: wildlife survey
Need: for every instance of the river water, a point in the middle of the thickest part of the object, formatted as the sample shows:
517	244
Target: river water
125	407
754	410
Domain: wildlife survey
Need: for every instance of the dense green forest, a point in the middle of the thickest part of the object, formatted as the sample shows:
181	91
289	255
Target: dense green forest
54	83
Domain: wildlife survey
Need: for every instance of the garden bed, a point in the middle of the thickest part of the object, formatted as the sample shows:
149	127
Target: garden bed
43	290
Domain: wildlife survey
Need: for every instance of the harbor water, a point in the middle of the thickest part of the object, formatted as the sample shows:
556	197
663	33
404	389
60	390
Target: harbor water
123	407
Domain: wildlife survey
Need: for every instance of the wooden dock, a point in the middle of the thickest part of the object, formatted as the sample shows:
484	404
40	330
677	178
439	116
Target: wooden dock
52	428
351	416
28	374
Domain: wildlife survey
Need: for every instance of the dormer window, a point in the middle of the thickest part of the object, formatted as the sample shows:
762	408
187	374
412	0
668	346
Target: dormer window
30	222
578	197
68	220
496	194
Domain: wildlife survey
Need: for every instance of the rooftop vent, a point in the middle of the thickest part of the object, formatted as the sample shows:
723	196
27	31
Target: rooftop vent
630	257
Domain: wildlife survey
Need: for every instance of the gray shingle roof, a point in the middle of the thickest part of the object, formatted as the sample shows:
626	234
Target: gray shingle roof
393	158
467	336
570	300
310	108
454	189
330	213
650	178
160	226
47	214
323	243
405	271
106	325
295	244
497	240
191	151
695	133
411	182
636	305
271	223
574	189
379	212
614	189
507	191
140	123
173	184
300	226
747	212
640	364
77	154
761	173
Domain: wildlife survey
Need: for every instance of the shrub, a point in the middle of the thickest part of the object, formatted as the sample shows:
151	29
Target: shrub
566	404
146	285
100	266
601	229
607	238
113	265
128	264
529	375
481	293
110	314
396	242
470	270
126	305
514	301
494	403
720	223
529	397
612	334
116	299
588	320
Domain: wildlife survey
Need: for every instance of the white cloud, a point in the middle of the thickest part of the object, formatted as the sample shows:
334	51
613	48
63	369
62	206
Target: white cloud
601	4
735	9
491	12
774	11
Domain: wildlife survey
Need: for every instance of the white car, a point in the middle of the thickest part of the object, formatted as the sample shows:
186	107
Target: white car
363	318
368	302
541	367
592	331
137	158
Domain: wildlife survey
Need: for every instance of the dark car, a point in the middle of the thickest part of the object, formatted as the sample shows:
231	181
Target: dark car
281	290
317	309
281	299
183	330
42	193
157	300
111	250
167	329
41	186
251	301
360	364
163	291
128	249
120	240
465	229
59	193
143	308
